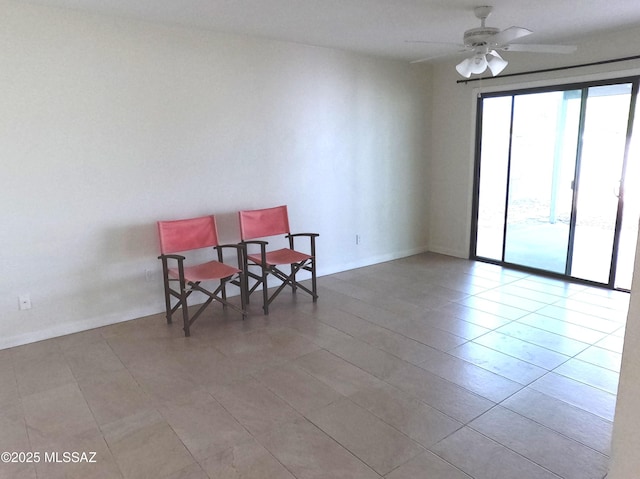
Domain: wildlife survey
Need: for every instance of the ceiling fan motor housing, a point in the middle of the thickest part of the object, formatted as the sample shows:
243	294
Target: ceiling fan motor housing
479	36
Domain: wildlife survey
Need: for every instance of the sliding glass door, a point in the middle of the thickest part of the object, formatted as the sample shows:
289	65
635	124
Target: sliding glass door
551	171
600	173
542	168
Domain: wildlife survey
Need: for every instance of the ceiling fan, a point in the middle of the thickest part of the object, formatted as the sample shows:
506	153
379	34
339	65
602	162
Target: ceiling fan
484	43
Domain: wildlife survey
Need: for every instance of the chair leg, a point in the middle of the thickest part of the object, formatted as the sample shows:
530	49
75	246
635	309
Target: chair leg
185	311
167	300
265	293
244	280
293	279
243	294
314	287
223	283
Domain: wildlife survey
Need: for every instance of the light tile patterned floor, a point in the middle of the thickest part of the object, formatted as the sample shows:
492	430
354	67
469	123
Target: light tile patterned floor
426	367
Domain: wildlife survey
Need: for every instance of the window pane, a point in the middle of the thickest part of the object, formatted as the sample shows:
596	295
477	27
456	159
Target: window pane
496	121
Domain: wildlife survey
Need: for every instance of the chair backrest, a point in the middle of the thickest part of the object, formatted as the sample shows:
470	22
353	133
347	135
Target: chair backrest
188	234
265	222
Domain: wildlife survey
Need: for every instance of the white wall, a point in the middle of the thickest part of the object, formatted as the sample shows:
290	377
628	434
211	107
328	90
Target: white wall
625	461
107	125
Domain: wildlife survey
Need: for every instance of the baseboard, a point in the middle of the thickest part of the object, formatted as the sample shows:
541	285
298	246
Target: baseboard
71	328
449	252
106	320
371	260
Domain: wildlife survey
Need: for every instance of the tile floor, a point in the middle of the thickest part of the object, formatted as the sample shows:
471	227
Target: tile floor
426	367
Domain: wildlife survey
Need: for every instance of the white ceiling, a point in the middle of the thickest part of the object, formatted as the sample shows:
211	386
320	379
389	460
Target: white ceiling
377	27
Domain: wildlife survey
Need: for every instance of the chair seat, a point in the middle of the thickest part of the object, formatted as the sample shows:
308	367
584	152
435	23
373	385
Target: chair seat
205	271
281	256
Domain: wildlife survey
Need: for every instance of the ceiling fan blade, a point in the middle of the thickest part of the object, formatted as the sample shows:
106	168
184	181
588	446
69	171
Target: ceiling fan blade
538	48
439	55
451	44
451	50
509	35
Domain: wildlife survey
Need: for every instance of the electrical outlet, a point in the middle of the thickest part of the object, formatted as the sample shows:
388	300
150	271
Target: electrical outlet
24	302
149	275
357	239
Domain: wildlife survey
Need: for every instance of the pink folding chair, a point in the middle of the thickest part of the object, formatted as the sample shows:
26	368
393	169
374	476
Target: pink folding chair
193	234
271	222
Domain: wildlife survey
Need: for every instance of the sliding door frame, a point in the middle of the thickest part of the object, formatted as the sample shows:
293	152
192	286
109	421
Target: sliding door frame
635	88
513	93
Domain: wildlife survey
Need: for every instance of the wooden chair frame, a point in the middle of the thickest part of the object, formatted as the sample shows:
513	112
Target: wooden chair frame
269	262
185	287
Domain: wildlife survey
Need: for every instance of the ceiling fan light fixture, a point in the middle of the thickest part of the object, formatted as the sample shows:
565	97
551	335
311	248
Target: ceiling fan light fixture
475	64
479	63
464	68
496	63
